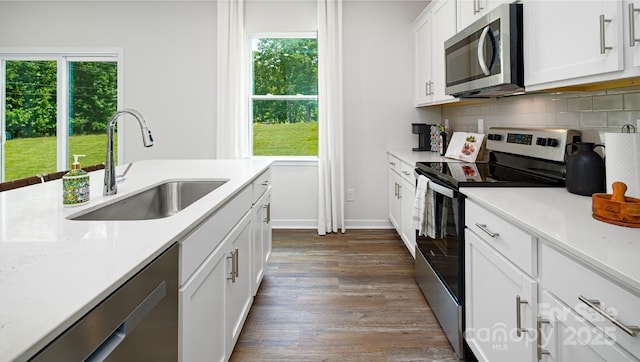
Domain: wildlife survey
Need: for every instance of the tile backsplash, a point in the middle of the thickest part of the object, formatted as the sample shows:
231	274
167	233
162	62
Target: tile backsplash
593	113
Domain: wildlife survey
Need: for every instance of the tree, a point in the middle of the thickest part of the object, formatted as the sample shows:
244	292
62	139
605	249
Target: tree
31	97
285	66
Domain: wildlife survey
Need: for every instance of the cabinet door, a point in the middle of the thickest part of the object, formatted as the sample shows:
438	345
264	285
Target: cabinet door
395	188
493	288
472	10
238	296
444	25
257	254
563	39
407	197
261	239
267	229
423	59
632	33
201	304
566	336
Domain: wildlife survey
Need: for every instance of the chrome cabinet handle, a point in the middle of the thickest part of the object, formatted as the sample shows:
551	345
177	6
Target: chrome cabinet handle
539	350
406	173
481	60
594	303
399	192
632	25
237	263
267	207
266	183
392	163
426	88
603	47
519	302
233	275
484	228
476	7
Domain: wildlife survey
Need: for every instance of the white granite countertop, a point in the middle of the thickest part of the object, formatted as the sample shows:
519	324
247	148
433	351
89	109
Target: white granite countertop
411	157
54	270
565	220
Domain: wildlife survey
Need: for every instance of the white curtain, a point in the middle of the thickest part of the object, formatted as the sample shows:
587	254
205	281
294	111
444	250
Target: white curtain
232	125
330	122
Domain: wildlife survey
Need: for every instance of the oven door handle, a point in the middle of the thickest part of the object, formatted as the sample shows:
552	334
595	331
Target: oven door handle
438	188
441	190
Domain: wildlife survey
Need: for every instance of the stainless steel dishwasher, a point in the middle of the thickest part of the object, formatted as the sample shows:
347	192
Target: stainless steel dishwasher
137	322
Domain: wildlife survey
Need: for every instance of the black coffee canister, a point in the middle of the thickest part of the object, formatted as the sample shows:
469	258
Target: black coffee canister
585	169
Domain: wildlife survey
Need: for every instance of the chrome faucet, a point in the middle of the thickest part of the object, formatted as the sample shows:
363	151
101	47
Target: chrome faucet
110	187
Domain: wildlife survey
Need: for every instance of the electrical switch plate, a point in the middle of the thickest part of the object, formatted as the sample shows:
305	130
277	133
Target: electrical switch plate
480	125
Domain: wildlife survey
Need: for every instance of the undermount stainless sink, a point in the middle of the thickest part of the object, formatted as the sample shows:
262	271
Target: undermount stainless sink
157	202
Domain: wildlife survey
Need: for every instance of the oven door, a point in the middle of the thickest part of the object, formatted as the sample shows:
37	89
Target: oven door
445	251
439	264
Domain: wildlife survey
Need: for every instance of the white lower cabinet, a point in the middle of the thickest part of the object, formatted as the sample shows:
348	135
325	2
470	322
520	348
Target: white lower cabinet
402	193
566	336
566	310
218	273
202	316
238	294
500	307
261	239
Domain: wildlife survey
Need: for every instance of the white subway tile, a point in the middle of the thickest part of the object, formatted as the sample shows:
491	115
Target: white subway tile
569	119
581	104
632	102
608	103
593	119
619	119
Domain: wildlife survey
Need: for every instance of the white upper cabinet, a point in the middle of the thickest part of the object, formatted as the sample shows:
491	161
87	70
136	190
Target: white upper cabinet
632	35
436	24
578	42
471	10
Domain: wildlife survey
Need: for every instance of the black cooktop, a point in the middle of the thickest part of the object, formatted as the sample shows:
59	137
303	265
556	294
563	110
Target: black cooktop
502	171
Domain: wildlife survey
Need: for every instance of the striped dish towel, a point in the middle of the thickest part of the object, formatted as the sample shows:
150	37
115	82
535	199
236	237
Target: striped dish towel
423	209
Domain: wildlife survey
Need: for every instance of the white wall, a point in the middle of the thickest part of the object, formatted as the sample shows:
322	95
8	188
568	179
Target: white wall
169	62
170	76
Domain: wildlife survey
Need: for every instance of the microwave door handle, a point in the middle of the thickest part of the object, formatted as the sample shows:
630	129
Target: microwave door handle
481	60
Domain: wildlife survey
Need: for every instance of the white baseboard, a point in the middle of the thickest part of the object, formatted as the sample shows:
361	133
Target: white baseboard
313	224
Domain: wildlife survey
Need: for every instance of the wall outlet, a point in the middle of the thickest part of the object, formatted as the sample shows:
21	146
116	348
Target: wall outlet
350	195
480	125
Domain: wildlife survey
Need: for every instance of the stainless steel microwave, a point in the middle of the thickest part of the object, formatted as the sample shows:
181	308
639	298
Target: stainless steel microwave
485	59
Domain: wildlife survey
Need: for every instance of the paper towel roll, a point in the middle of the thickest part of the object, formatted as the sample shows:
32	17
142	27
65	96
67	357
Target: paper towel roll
622	161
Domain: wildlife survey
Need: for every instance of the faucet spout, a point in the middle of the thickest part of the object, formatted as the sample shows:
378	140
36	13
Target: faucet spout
110	187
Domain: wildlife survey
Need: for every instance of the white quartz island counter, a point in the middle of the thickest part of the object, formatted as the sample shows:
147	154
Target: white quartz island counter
54	270
565	220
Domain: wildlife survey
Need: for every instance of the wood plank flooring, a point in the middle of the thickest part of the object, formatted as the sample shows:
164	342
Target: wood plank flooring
340	297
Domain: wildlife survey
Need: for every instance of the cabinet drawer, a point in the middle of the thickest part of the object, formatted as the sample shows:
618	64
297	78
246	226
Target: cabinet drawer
570	280
261	184
568	337
394	163
407	173
512	242
195	248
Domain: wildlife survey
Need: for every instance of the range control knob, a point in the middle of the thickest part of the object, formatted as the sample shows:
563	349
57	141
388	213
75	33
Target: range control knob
552	142
541	141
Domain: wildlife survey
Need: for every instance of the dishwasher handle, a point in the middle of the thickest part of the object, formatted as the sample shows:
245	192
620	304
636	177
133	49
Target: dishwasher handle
130	322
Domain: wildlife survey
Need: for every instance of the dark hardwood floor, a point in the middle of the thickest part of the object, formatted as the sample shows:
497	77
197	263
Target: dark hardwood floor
340	297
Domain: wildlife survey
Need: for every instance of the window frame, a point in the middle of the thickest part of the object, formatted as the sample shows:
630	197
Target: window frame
290	159
62	57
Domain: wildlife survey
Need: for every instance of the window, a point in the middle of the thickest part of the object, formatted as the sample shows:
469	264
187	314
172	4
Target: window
284	96
54	106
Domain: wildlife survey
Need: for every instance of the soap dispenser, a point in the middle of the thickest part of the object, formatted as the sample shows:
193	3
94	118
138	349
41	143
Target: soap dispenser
75	185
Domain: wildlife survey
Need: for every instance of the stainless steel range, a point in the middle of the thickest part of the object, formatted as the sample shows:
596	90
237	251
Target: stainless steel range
518	157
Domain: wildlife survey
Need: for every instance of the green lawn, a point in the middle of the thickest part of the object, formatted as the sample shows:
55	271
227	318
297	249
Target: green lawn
27	157
285	139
